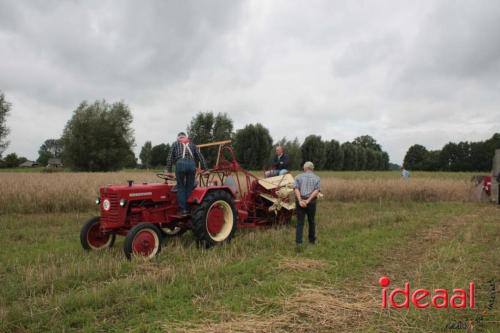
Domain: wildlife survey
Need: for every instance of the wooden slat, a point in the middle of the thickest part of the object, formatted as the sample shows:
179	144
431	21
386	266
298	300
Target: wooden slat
213	144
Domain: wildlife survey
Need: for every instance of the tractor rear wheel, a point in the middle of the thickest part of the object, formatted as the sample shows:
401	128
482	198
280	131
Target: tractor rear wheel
92	238
143	240
215	219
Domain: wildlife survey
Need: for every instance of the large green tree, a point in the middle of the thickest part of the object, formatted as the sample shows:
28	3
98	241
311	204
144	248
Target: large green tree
350	156
372	159
384	161
223	127
415	157
200	129
431	162
13	161
159	154
360	157
334	156
99	137
206	127
461	156
145	154
49	149
448	156
252	145
491	144
4	130
367	142
313	149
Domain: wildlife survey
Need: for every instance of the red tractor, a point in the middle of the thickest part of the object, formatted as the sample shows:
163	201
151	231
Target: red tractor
226	198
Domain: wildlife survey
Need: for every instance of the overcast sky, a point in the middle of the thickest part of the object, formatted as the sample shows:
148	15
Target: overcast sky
404	72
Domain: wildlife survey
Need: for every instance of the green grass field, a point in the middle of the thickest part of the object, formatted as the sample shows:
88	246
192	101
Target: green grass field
258	282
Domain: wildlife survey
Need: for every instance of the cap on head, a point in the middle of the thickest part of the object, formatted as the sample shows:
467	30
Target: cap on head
181	134
309	165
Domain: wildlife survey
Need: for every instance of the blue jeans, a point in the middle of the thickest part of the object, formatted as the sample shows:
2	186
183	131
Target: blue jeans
310	211
184	172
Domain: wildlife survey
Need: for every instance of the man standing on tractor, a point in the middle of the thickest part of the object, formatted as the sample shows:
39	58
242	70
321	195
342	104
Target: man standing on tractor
307	189
184	154
280	163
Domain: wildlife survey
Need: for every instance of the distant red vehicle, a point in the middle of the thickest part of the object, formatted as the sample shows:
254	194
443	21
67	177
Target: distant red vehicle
487	185
227	197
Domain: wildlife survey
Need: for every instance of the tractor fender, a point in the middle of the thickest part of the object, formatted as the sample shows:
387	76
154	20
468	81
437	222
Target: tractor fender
199	193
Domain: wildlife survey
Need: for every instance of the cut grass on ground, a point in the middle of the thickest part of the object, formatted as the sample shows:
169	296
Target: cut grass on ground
50	284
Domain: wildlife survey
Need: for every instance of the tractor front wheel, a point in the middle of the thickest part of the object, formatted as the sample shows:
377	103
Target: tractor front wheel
142	240
215	219
92	238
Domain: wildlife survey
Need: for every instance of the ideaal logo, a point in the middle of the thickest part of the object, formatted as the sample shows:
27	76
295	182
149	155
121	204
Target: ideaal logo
441	298
423	298
482	314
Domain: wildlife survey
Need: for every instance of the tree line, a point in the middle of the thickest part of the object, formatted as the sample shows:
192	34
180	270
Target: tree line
254	147
99	137
461	156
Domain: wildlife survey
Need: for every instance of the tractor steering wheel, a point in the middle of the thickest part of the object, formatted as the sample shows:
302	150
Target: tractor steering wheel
165	176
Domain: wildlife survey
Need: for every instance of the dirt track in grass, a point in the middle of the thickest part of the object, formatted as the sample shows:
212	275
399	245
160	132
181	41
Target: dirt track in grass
355	305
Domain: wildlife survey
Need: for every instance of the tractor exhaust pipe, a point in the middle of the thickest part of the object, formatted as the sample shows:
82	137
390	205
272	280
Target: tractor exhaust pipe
130	182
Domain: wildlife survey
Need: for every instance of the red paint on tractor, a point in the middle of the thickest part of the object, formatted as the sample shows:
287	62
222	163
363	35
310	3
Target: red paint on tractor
96	238
215	220
124	206
144	243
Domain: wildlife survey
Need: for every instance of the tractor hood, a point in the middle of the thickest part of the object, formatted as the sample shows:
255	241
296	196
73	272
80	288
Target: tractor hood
154	191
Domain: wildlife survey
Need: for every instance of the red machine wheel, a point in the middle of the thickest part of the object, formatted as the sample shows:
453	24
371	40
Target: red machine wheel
215	219
92	238
143	240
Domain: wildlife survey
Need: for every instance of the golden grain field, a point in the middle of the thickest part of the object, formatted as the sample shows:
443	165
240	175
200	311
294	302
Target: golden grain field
67	191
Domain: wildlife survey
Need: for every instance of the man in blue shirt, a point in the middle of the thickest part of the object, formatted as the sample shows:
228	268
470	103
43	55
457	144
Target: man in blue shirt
280	163
307	188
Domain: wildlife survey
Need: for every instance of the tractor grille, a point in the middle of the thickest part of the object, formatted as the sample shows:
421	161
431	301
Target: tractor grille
113	215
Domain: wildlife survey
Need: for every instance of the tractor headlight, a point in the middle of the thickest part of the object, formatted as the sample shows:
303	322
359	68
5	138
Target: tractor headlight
106	205
97	201
123	202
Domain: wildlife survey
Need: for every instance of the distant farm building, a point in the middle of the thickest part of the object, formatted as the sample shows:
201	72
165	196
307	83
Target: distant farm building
28	164
54	163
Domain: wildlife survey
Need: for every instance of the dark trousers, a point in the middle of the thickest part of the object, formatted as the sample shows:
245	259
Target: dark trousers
310	211
184	172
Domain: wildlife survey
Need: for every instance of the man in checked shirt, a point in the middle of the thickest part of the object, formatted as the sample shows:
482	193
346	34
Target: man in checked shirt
306	191
184	154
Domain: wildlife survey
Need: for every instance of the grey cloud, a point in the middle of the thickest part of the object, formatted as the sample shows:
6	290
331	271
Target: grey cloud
457	46
120	47
363	55
400	71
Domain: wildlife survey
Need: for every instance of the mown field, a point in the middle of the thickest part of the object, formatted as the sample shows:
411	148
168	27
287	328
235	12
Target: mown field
427	230
35	192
